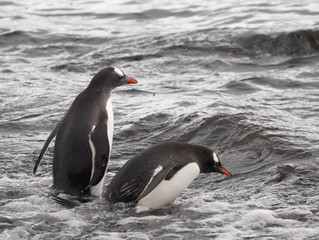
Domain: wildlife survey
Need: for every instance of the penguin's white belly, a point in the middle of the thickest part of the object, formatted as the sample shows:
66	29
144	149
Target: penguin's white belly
168	190
110	122
97	190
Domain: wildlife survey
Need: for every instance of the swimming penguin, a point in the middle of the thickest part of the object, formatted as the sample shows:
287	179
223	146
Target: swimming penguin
159	174
84	137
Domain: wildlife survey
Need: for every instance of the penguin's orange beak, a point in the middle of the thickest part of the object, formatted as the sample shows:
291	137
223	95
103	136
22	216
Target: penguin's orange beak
131	80
224	171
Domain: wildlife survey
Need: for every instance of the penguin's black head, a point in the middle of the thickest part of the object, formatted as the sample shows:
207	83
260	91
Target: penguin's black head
213	164
110	77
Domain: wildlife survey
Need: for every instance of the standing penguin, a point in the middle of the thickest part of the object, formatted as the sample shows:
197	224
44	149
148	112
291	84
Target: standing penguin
84	137
159	174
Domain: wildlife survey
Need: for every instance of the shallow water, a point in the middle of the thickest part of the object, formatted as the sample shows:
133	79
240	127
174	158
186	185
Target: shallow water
240	78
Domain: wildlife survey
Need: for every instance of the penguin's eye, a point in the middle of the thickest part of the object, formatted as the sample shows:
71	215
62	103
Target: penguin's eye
117	79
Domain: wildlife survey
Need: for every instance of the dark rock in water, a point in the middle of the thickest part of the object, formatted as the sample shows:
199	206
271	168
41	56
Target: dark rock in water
292	43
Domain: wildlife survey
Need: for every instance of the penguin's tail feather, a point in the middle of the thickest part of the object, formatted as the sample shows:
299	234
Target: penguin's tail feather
46	146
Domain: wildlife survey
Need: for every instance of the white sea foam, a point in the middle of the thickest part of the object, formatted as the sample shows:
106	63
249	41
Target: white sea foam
15	233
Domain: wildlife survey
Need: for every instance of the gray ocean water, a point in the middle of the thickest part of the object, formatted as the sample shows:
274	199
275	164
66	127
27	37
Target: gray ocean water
240	77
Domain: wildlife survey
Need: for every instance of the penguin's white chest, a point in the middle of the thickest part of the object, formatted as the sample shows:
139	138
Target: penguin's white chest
110	122
168	190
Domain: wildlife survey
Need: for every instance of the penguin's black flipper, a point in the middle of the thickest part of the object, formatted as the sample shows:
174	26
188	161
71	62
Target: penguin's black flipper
156	180
100	147
45	147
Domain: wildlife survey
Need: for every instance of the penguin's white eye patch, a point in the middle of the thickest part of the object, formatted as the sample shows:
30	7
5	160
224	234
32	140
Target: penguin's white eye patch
215	158
119	72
